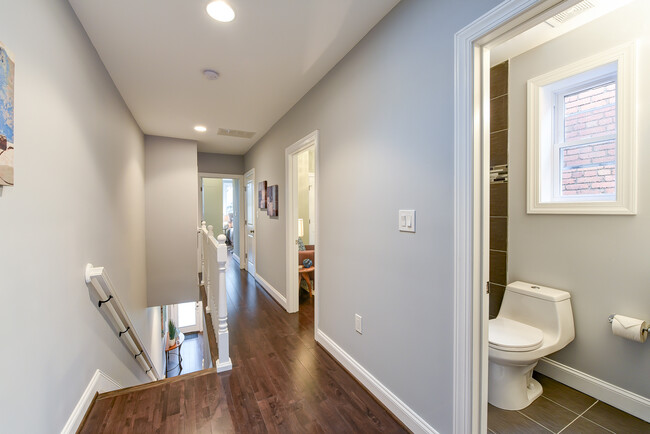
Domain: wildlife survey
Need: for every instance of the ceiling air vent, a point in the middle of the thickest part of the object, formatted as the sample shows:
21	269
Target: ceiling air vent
235	133
570	13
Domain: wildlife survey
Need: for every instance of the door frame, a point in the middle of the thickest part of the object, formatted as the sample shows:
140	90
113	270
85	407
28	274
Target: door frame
198	312
202	175
472	200
250	174
291	209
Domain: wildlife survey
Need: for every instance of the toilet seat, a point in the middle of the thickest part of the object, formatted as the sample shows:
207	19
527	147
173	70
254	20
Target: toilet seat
509	335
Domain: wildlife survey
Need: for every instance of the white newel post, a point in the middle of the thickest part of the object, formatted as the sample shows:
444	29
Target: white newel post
224	363
202	248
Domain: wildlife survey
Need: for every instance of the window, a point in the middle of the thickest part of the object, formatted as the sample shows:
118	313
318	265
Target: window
581	137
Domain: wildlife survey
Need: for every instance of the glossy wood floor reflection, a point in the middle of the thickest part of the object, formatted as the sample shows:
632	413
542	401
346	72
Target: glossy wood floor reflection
281	382
191	353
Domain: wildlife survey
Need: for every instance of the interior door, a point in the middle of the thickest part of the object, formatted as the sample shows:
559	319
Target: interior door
189	316
312	209
250	203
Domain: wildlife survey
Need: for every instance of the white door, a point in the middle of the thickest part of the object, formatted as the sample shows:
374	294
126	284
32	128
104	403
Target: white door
250	204
312	208
189	317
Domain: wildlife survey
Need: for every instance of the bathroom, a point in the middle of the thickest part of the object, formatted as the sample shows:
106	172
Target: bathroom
601	257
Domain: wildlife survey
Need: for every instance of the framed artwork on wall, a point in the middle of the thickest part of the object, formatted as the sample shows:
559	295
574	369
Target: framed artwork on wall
261	194
7	68
272	201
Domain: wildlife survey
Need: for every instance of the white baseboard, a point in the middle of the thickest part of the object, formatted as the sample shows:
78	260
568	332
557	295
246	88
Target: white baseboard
100	382
402	411
615	396
236	258
281	299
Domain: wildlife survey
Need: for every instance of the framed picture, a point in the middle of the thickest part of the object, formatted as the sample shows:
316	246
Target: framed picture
261	194
272	201
7	68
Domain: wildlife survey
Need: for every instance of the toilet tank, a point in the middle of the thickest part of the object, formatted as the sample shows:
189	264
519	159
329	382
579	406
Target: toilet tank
547	309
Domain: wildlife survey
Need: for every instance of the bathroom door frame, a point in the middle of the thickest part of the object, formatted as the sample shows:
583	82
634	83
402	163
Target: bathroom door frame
472	197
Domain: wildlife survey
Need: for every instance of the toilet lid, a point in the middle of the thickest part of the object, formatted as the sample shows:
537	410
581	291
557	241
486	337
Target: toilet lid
509	335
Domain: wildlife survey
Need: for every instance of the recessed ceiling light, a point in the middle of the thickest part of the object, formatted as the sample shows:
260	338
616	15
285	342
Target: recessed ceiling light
220	11
200	129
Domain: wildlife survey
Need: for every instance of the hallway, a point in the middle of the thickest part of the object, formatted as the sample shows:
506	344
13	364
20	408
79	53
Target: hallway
281	381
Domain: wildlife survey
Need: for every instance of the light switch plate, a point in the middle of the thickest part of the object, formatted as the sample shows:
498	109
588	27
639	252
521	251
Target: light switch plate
407	220
358	326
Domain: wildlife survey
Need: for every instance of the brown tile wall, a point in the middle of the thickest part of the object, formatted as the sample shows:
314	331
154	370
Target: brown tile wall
499	189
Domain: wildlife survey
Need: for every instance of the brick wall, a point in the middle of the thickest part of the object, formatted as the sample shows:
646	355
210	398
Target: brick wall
591	168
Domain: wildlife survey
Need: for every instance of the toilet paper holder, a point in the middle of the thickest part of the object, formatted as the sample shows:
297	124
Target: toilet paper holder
611	319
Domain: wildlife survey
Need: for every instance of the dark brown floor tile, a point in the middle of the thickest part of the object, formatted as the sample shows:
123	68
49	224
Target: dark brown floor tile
583	426
549	414
499	233
616	420
499	79
496	297
499	113
499	200
512	422
564	395
498	263
499	148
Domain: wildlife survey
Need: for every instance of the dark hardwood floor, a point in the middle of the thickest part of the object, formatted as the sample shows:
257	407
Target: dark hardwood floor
192	356
281	381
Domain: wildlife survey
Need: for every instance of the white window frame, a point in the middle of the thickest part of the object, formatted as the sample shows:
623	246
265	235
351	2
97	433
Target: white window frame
544	141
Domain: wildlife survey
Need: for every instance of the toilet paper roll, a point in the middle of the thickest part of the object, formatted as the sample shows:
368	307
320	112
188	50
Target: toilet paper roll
629	328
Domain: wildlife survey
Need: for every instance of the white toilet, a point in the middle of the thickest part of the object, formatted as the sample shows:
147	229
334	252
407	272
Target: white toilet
533	322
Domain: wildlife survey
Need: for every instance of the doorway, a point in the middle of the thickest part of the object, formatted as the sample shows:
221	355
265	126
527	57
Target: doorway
220	205
188	317
302	223
249	221
475	46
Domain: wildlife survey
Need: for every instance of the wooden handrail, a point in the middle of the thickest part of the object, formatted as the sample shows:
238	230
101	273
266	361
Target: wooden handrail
108	299
214	254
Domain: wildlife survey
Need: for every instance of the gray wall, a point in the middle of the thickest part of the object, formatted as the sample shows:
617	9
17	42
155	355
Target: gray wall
601	260
78	198
171	204
385	115
221	163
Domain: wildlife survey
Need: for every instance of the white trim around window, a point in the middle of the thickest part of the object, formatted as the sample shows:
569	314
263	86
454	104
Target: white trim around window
540	172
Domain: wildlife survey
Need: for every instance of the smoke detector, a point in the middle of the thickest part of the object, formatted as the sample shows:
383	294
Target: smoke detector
210	74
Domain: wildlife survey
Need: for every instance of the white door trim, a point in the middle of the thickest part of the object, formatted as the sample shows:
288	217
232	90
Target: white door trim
291	229
250	174
471	198
240	178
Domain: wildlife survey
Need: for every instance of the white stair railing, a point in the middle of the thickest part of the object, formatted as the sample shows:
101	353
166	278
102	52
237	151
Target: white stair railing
214	254
108	299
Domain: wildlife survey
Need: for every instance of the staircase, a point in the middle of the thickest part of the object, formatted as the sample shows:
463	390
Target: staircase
192	402
187	403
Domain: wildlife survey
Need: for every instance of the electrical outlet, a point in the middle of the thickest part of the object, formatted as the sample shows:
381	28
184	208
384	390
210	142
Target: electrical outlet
358	324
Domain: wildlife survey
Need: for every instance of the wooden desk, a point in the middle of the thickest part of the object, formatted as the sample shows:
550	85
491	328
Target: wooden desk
304	274
178	344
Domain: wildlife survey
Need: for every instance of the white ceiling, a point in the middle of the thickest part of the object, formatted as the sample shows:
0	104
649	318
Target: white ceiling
268	58
548	30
